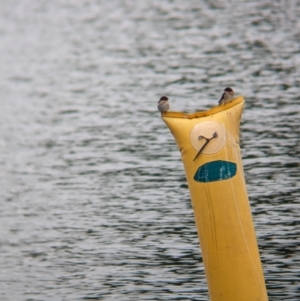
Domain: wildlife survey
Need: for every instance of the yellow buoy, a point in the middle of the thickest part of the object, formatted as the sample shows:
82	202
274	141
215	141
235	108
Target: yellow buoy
209	146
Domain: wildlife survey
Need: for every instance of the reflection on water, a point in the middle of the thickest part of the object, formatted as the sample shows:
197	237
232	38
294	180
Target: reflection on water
94	199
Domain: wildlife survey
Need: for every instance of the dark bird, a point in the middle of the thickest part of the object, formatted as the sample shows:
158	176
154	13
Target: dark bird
227	96
163	104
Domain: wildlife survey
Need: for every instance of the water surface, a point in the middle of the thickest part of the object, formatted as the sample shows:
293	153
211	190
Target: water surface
94	201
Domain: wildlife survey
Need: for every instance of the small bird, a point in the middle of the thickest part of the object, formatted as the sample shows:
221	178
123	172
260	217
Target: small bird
163	104
227	96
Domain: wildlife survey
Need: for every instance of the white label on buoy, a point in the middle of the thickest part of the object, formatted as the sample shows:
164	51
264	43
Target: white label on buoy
204	131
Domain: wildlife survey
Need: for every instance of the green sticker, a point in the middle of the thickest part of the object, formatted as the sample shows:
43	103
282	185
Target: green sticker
215	171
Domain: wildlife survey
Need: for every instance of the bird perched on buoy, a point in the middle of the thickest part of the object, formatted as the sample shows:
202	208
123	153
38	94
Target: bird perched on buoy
163	104
227	96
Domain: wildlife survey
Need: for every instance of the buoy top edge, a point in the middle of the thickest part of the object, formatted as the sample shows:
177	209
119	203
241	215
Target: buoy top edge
214	110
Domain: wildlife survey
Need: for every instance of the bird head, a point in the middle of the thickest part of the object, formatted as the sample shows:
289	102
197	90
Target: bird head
164	98
228	89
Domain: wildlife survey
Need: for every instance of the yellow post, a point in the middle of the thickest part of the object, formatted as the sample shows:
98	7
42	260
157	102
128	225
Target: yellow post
209	146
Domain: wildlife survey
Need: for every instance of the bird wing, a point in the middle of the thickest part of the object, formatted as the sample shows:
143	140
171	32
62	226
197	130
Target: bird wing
222	97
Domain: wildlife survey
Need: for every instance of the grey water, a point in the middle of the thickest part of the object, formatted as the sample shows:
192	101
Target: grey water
94	201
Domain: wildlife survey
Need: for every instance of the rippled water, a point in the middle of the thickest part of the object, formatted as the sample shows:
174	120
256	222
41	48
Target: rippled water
94	201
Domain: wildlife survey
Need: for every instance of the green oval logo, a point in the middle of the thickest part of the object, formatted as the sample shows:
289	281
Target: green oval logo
215	171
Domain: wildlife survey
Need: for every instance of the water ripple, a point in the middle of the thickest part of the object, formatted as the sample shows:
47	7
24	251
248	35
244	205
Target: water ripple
95	205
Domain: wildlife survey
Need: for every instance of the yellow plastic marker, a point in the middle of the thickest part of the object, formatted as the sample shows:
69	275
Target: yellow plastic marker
210	151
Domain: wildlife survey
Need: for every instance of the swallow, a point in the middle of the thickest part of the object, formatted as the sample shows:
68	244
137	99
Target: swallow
227	96
163	104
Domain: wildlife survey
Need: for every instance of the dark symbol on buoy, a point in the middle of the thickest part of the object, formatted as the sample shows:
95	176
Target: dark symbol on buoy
215	135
